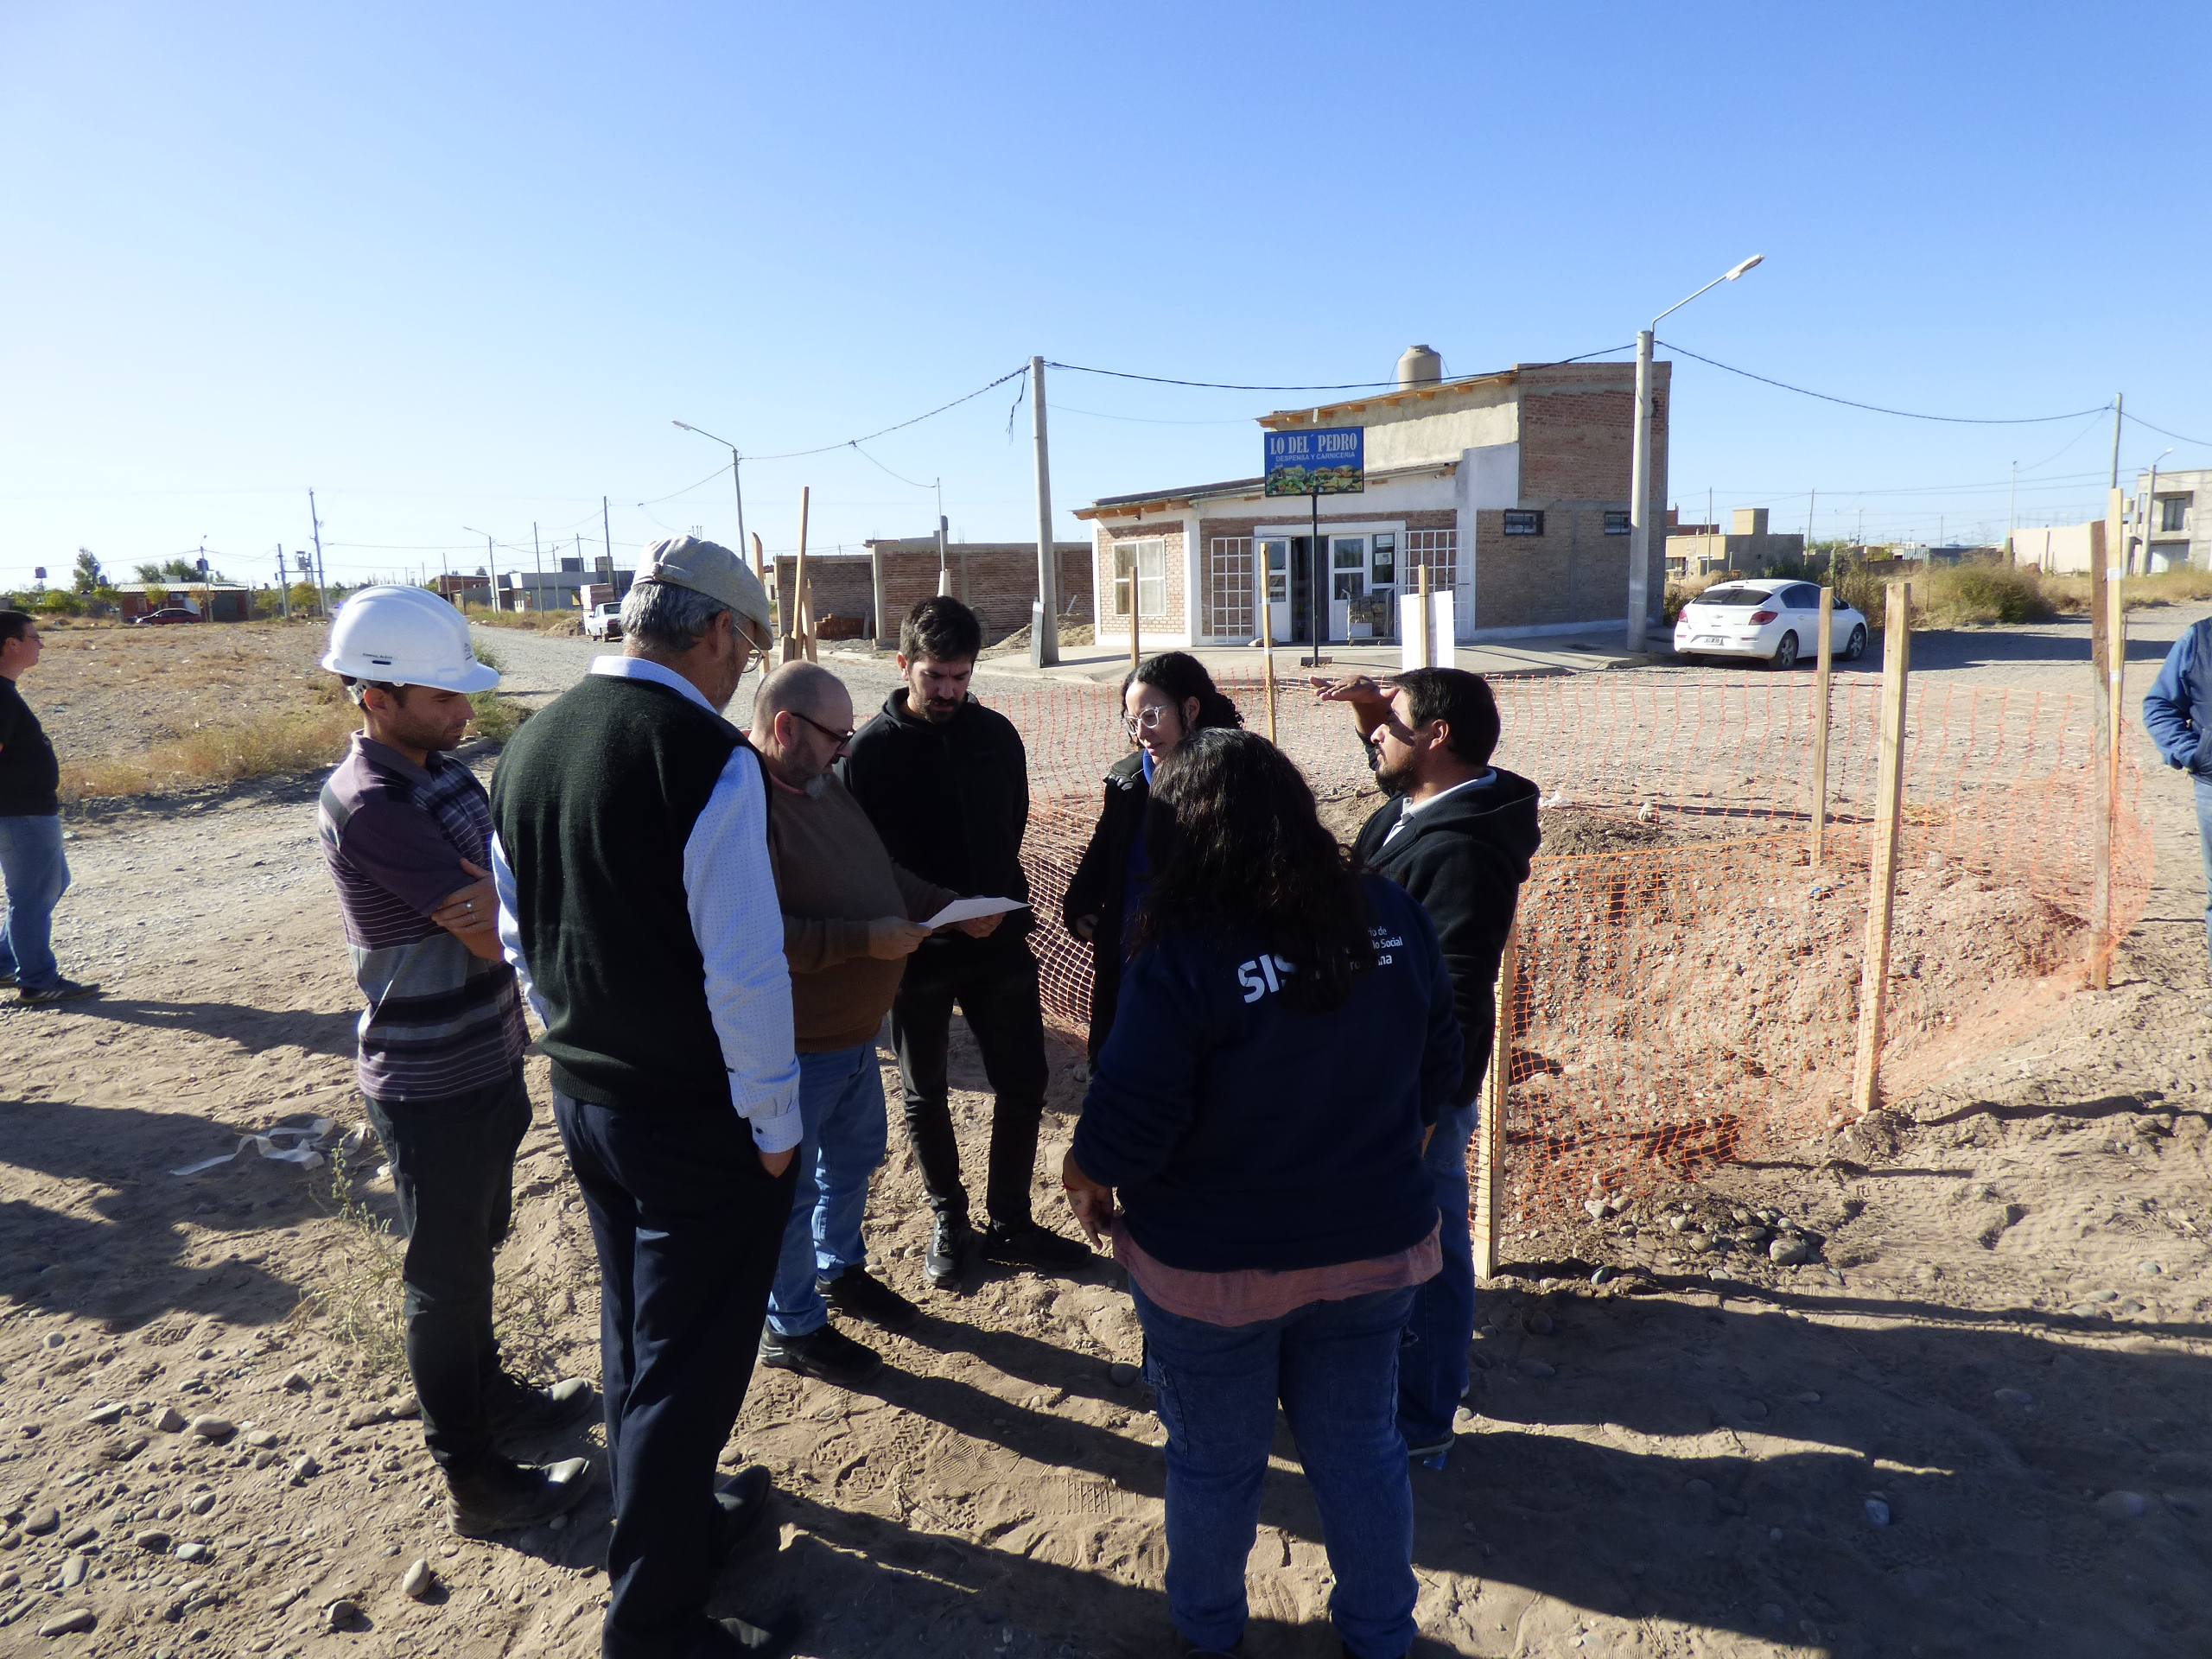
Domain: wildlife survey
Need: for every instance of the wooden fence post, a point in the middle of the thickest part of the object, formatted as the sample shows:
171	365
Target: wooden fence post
2101	660
1821	677
793	606
1881	896
1490	1123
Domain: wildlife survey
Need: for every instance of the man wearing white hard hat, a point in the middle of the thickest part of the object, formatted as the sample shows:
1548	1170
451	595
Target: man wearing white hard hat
636	902
406	831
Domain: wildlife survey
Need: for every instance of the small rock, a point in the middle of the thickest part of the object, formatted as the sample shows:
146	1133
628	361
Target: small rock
1755	1409
1122	1375
43	1519
1789	1252
2018	1398
1597	1209
106	1414
1537	1368
193	1552
123	1450
1772	1613
1808	1397
54	1339
77	1537
1538	1324
154	1541
1731	1505
1878	1511
205	1353
2123	1506
2102	1296
298	1381
1697	1243
339	1614
69	1624
1698	1488
264	1458
419	1581
202	1504
170	1421
10	1538
214	1429
305	1470
262	1437
2149	1266
73	1569
1600	1274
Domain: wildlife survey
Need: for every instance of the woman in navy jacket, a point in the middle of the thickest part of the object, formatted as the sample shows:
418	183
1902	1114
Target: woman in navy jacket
1285	1040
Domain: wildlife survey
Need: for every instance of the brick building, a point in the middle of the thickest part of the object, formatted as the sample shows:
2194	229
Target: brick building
218	601
997	579
1512	487
1749	548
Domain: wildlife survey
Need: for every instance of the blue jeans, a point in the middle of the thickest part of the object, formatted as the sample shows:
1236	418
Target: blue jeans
36	875
842	1135
1433	1370
1334	1366
2203	837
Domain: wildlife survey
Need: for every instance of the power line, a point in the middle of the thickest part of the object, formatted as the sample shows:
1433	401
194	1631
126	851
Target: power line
870	437
2201	443
1352	385
1877	408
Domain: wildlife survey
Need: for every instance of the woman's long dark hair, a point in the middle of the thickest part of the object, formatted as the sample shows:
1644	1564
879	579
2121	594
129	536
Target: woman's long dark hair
1183	676
1240	847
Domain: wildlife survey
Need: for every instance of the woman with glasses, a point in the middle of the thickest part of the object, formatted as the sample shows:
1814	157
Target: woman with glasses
1164	699
1288	1038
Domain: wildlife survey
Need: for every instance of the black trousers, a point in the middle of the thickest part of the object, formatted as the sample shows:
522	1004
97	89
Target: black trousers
689	1229
995	983
453	1163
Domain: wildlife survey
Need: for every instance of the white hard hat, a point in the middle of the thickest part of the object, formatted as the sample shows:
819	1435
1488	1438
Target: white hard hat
405	636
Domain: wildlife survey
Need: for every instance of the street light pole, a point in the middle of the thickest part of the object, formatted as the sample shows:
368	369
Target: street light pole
737	483
1639	510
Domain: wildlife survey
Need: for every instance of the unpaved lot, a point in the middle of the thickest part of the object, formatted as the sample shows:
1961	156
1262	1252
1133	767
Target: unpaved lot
1999	1339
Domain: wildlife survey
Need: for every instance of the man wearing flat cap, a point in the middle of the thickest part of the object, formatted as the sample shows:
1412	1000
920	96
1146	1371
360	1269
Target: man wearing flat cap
637	907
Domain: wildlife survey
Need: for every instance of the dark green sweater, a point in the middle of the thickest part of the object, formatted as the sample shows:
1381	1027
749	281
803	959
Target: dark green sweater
593	801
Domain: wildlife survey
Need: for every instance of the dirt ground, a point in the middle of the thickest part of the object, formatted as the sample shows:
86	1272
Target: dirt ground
1969	1422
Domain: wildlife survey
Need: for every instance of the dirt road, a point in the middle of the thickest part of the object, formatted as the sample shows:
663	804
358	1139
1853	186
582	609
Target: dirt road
1972	1425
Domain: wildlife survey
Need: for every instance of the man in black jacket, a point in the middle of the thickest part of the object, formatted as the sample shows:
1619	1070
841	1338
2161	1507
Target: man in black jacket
1457	834
945	781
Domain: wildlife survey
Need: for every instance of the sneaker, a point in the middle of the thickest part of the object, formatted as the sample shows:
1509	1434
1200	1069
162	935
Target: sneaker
62	990
858	1292
949	1242
743	1636
516	1410
497	1496
828	1353
1028	1242
1436	1448
741	1499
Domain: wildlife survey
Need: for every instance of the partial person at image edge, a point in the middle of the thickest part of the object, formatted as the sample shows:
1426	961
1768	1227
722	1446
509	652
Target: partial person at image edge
32	864
2177	713
405	830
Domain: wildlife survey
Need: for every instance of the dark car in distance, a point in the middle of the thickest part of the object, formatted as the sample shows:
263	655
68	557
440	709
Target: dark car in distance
166	614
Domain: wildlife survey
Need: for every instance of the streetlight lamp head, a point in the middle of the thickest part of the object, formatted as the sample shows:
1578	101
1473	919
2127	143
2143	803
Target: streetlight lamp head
684	426
1755	259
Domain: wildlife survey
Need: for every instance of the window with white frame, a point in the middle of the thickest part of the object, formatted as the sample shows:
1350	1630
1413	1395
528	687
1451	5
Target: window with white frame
1229	576
2173	514
1438	549
1146	562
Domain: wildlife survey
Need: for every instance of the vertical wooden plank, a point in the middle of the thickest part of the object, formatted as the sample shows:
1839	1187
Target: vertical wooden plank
793	606
2101	659
1821	677
1490	1124
1881	897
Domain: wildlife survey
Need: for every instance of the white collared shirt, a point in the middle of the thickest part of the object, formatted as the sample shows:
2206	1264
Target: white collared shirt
1407	811
737	920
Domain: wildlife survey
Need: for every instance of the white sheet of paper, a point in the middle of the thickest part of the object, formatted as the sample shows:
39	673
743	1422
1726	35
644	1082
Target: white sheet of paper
966	909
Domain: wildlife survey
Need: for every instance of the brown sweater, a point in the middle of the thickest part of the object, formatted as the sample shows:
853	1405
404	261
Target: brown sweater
834	878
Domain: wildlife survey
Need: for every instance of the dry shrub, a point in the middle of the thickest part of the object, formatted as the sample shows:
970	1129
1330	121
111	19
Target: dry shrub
1952	594
2166	587
294	739
1680	590
569	623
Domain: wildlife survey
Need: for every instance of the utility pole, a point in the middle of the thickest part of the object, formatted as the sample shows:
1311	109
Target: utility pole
1639	505
1044	616
1811	496
537	557
607	533
944	564
2012	513
322	586
2119	409
284	585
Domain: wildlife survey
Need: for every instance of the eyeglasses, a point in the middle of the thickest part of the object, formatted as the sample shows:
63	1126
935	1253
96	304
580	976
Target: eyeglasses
840	737
1148	722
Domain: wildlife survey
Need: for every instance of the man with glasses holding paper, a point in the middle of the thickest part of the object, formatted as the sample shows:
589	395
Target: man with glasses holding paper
851	920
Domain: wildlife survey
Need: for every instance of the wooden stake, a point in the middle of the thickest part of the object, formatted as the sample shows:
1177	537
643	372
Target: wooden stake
1428	622
1822	674
760	559
794	612
2101	657
1136	608
1488	1173
1266	612
1881	897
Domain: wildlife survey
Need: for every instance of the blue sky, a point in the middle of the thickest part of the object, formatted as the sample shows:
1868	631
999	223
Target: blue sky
462	265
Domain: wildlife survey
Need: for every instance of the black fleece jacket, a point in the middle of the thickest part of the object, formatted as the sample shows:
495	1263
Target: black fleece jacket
1099	887
951	801
1465	857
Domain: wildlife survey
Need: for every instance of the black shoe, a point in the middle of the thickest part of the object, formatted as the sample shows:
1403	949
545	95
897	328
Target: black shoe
741	1638
740	1500
62	990
856	1292
828	1353
949	1242
516	1410
1038	1247
497	1496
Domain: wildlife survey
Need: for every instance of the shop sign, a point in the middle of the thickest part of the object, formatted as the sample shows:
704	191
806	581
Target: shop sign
1329	461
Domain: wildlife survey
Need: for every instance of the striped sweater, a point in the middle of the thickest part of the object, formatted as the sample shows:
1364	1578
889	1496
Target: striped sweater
439	1020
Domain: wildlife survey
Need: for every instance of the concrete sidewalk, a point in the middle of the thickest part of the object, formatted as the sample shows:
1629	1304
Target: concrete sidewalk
1096	666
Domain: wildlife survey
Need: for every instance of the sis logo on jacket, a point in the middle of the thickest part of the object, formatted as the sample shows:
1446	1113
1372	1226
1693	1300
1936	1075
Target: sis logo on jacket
1264	974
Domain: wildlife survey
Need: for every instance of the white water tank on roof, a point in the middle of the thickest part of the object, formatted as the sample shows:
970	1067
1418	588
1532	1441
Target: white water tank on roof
1420	367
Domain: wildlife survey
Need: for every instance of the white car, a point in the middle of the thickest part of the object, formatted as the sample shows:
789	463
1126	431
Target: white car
604	622
1779	621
